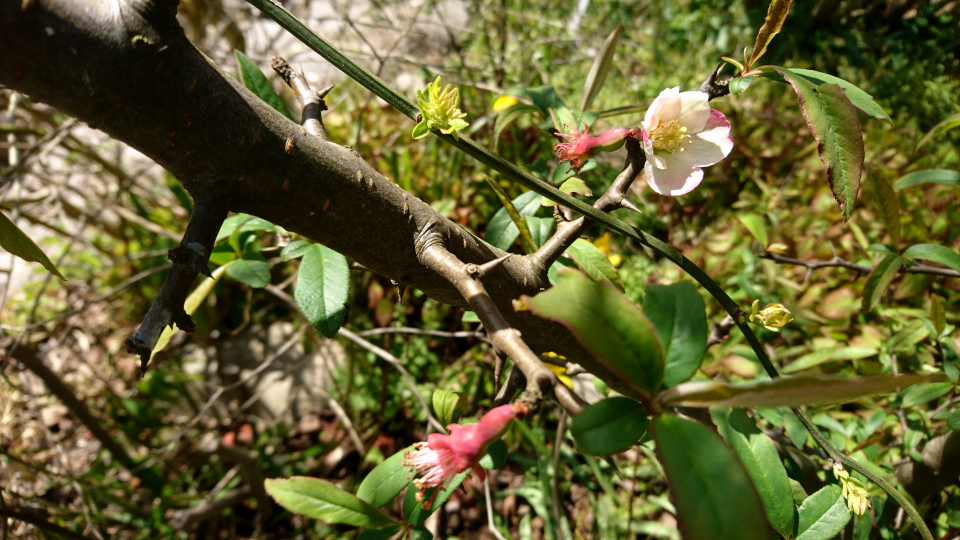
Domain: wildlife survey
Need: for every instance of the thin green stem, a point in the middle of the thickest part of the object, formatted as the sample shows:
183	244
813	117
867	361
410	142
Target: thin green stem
373	83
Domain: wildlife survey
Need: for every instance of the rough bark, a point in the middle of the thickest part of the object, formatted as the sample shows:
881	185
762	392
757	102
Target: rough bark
126	68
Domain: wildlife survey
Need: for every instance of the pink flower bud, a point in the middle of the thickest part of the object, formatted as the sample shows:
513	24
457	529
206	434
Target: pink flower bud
582	146
443	456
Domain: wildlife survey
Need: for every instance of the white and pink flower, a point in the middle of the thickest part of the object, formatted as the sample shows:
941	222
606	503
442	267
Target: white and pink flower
681	134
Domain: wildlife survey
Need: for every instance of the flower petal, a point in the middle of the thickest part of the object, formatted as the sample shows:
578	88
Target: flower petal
665	106
708	146
674	180
694	110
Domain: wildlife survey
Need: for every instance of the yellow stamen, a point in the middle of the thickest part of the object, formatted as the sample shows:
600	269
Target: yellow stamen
670	136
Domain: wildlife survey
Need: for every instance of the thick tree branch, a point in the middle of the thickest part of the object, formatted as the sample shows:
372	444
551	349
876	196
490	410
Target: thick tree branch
132	73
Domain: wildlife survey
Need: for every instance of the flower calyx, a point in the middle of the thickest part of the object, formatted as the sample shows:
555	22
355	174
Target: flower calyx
439	110
581	146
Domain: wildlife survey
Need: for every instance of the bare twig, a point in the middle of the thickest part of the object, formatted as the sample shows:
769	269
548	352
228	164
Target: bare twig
839	262
720	331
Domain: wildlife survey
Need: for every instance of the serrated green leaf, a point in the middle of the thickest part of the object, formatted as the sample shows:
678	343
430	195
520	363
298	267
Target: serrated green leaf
257	82
501	230
322	500
823	515
594	262
879	280
446	405
923	393
323	282
600	68
609	426
294	250
945	125
679	316
858	97
762	463
755	225
932	252
776	14
785	391
885	198
252	270
834	123
946	177
385	481
712	492
13	240
608	324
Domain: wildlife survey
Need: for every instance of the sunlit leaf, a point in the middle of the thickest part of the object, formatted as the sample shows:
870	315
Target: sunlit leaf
240	223
938	315
609	426
739	85
858	97
762	463
190	305
712	492
608	324
823	515
786	391
385	481
323	282
256	82
923	393
678	314
946	177
594	262
13	240
294	250
445	406
834	123
755	225
600	68
322	500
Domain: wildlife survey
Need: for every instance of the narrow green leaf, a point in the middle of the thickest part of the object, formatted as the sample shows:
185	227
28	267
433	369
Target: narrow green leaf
823	515
946	177
932	252
776	14
938	315
834	123
322	500
594	262
762	463
922	393
13	240
323	282
608	324
257	82
385	481
711	490
885	198
294	250
755	225
252	270
445	405
600	68
501	229
786	391
858	97
379	534
609	426
680	319
879	280
945	125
